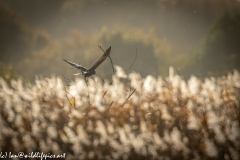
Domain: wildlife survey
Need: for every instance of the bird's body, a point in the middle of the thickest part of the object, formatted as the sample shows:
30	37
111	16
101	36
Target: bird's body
89	72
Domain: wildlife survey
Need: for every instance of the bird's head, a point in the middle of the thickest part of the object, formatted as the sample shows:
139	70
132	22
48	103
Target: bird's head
89	73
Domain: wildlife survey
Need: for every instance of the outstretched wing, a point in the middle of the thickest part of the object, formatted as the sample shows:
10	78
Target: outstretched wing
101	59
77	66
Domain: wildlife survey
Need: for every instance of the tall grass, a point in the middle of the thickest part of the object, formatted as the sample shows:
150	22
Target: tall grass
132	118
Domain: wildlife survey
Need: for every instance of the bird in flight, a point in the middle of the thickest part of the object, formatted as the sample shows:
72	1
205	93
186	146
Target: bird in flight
89	72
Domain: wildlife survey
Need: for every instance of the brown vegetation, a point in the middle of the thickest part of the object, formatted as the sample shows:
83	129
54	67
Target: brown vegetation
162	119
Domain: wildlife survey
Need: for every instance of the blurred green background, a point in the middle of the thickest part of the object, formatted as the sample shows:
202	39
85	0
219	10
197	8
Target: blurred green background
196	37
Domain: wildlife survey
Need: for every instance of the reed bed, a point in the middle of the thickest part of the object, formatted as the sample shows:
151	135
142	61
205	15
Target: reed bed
129	118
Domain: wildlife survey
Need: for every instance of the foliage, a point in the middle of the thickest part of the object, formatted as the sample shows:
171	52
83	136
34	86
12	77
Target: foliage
7	73
220	52
15	36
169	119
166	33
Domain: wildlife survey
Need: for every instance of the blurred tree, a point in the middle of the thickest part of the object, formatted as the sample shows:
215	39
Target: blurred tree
151	51
7	72
220	52
18	43
14	36
178	28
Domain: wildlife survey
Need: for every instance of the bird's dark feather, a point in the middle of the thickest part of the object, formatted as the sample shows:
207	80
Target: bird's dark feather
89	72
77	66
101	59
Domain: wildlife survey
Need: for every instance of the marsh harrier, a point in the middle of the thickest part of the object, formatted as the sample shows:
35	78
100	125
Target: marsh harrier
89	72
